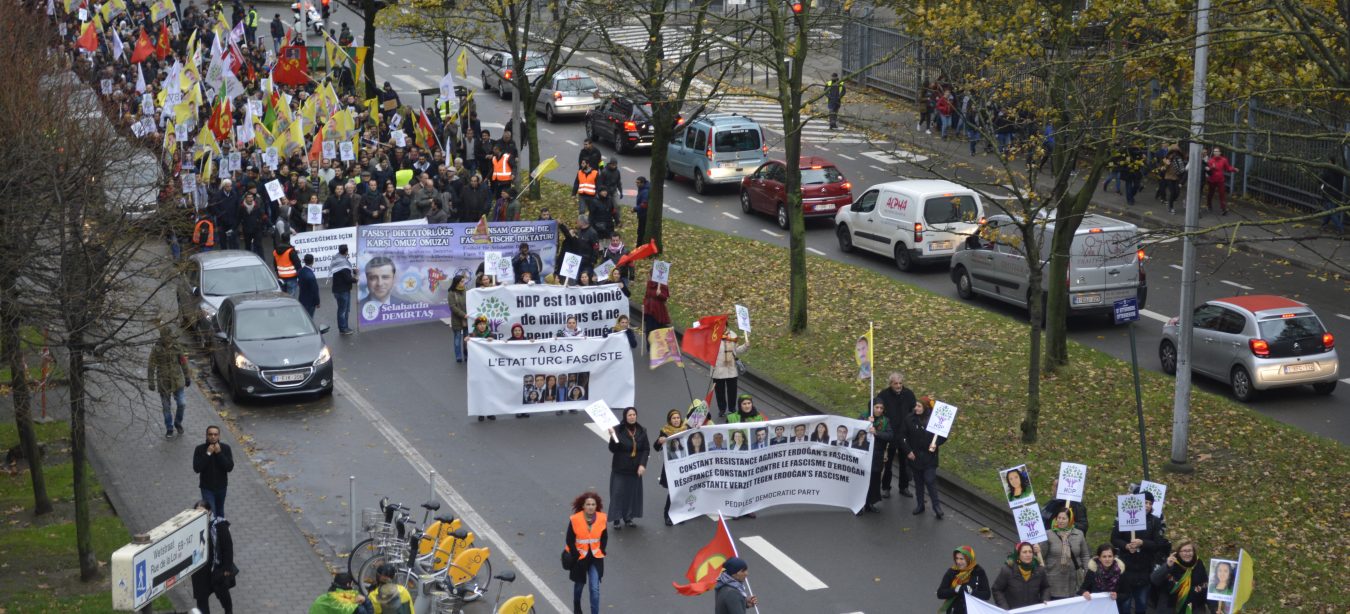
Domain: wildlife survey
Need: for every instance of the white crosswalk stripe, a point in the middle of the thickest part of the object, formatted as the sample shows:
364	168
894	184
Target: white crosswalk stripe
769	115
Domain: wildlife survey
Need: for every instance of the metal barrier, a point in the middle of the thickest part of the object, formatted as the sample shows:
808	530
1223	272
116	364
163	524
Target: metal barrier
900	75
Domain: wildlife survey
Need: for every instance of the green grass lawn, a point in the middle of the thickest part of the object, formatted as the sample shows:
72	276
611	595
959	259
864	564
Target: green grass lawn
38	554
1280	493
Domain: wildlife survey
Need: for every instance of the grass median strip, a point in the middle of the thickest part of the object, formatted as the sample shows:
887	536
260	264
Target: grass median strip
1276	491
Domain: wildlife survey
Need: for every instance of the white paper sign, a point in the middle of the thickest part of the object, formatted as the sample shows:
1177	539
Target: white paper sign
224	172
172	99
400	139
661	272
743	318
83	14
271	158
505	274
603	270
1223	576
1130	513
180	133
1159	495
189	183
138	128
1072	482
274	190
314	214
395	121
492	262
1030	527
1017	486
236	161
940	423
147	104
329	150
105	85
255	107
602	415
571	266
347	155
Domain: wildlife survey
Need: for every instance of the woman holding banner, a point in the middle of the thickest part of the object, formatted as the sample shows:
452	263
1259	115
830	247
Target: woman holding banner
1184	580
1065	556
629	448
621	326
964	576
459	315
1022	581
1103	573
882	434
674	426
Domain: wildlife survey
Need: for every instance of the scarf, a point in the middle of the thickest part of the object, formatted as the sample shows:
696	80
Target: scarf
1108	578
632	435
1026	569
962	574
669	430
725	579
1065	530
1181	588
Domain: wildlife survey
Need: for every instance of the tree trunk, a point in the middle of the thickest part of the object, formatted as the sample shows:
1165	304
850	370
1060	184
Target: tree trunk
23	401
661	131
531	122
792	146
370	9
1033	412
1068	217
84	542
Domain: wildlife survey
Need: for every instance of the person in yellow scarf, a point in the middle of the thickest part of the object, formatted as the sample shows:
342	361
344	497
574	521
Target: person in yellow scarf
1022	581
964	576
674	425
1185	579
629	447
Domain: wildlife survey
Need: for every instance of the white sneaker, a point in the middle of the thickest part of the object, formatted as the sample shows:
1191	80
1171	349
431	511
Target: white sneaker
928	132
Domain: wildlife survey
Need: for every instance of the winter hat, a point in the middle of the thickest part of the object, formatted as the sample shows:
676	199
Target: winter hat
734	565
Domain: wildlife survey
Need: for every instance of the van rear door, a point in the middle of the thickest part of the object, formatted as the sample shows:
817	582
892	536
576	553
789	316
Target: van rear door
738	147
1103	266
948	219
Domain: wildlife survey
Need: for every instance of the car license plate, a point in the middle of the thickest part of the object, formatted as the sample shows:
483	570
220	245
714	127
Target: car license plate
287	378
939	245
826	207
1303	368
1092	298
727	164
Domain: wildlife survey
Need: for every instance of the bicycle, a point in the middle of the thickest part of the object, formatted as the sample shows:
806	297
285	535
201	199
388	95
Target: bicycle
386	527
413	570
447	603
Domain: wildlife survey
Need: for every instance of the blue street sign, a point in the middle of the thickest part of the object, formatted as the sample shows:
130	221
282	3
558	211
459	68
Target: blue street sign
142	583
1126	310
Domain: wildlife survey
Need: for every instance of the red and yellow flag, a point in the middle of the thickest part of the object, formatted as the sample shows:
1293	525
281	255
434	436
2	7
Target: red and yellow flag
707	564
162	48
703	341
222	118
144	48
88	40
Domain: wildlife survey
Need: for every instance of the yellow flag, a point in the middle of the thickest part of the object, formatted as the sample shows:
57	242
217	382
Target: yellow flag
297	138
206	169
462	64
307	109
222	26
69	5
545	167
170	137
261	135
183	112
1246	569
207	140
373	110
330	49
863	354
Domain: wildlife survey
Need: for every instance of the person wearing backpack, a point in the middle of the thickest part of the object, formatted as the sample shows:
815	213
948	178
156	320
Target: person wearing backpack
344	277
1173	168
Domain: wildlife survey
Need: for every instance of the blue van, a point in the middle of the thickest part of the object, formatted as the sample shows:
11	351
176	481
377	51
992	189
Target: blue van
716	149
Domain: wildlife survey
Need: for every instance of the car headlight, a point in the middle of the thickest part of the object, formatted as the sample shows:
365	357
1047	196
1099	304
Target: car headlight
324	357
242	363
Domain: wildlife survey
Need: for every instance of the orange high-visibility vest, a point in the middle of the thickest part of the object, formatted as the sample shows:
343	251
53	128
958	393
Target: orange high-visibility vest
204	233
501	168
588	537
586	182
285	263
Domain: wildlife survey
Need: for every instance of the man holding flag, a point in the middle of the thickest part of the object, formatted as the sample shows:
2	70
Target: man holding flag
733	591
717	565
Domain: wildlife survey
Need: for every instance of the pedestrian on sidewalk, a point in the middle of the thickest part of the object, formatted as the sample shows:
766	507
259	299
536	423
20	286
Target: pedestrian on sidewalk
629	450
1333	195
644	193
1133	172
674	425
1217	170
834	98
344	277
921	448
390	597
218	575
342	596
964	576
899	402
927	99
309	286
584	548
213	461
1173	168
167	372
732	594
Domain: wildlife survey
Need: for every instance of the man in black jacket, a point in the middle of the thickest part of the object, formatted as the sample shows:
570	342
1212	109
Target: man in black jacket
920	447
899	402
474	200
1139	551
344	277
224	205
213	461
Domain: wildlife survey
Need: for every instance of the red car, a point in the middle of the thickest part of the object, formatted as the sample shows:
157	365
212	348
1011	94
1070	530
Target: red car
824	189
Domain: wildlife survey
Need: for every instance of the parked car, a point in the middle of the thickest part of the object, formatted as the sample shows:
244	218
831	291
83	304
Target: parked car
499	70
716	149
211	277
914	222
623	123
824	189
1106	264
569	92
1256	343
266	345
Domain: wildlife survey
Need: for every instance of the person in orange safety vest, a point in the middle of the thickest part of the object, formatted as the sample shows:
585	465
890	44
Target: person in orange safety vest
587	539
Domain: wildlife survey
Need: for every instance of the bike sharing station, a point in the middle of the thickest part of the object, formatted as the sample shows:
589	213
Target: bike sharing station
159	560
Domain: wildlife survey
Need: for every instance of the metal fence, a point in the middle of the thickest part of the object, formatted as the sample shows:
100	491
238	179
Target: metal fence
1248	126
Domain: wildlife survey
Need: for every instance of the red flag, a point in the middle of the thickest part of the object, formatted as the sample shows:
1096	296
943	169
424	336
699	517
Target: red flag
162	49
426	135
641	253
703	340
144	48
222	118
316	151
88	40
707	564
292	66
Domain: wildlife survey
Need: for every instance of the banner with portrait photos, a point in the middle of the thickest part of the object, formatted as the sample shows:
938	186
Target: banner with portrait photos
740	468
546	311
547	375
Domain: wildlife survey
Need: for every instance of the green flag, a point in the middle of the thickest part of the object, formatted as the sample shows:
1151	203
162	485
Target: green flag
335	602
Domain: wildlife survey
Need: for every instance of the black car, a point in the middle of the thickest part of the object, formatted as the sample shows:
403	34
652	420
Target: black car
265	345
621	122
210	277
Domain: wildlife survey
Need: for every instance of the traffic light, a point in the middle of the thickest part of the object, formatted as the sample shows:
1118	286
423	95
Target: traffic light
798	7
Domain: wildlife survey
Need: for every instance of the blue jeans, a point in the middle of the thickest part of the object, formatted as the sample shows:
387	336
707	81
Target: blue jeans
972	135
1133	601
946	124
459	345
291	286
215	499
1114	176
344	309
1335	220
1004	141
178	396
593	578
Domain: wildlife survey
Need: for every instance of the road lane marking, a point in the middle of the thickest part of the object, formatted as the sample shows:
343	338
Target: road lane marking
846	157
770	232
731	215
895	157
1176	266
415	83
1341	315
447	492
572	143
815	251
546	130
695	199
1153	315
821	148
627	169
673	209
382	62
1235	284
1346	381
877	167
783	563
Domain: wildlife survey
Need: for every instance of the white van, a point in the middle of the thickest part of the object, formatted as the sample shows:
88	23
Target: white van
1105	264
915	222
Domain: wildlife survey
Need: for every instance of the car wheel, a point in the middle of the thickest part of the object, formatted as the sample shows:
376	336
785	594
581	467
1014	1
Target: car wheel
1167	355
745	203
782	217
487	85
964	289
1241	382
845	239
1325	388
620	141
699	185
903	260
501	90
548	113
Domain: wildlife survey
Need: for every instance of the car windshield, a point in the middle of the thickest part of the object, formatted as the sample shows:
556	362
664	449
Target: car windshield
744	139
265	323
535	63
1288	329
237	280
576	84
951	209
828	174
642	112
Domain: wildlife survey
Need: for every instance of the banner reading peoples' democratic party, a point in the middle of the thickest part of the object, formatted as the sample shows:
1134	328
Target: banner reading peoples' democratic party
746	467
516	377
545	311
404	272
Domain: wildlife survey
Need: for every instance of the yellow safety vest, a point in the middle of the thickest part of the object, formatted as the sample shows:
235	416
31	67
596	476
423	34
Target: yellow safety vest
252	19
403	177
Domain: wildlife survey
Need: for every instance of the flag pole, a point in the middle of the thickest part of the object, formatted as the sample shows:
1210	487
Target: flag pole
871	372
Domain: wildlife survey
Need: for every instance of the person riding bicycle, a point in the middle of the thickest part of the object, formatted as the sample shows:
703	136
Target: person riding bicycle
342	597
390	597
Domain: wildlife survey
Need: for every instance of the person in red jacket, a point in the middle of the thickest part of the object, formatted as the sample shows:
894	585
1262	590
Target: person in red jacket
654	314
1217	169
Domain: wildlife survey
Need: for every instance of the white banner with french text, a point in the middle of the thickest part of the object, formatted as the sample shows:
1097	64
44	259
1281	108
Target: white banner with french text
543	310
740	468
1101	603
324	245
520	377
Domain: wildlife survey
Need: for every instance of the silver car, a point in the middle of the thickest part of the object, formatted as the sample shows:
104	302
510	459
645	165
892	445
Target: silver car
1257	343
211	277
499	71
569	92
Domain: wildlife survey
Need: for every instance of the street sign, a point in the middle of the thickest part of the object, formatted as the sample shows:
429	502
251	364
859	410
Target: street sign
1126	310
175	549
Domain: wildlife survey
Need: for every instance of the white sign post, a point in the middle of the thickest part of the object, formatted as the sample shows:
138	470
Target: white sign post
314	214
169	554
603	416
492	262
1130	513
1072	482
661	272
940	424
1030	527
743	318
275	191
571	266
1159	495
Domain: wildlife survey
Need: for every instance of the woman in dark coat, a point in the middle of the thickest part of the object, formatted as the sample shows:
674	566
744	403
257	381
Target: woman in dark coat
1022	581
1103	573
964	576
629	446
1183	580
217	576
674	426
588	512
882	434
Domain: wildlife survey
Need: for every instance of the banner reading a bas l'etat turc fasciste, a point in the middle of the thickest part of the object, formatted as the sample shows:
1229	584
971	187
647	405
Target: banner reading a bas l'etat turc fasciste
740	468
516	377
